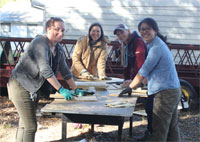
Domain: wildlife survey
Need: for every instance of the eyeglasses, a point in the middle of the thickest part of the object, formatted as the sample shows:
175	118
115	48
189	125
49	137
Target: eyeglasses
145	29
58	29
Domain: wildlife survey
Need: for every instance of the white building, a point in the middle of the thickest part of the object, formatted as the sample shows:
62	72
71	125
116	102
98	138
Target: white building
20	19
179	20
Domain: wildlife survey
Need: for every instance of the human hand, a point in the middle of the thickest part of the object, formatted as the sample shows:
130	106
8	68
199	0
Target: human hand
126	83
125	91
66	93
104	78
87	75
83	92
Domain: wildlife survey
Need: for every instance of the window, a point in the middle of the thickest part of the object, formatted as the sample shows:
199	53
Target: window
32	30
5	29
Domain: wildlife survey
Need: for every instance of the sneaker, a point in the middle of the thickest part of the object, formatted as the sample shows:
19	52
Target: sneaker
146	137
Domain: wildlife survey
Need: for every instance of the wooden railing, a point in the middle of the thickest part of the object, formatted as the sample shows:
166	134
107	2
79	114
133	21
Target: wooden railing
186	57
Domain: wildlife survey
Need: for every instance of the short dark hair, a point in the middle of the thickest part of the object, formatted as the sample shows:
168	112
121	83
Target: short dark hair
51	22
102	34
153	24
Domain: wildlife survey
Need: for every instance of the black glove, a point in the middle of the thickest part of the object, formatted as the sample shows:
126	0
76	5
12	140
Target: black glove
125	91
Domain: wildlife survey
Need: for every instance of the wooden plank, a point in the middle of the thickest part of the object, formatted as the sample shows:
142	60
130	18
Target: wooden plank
91	98
98	84
140	112
133	95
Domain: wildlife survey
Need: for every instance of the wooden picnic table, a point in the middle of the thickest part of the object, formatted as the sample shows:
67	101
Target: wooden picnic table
93	112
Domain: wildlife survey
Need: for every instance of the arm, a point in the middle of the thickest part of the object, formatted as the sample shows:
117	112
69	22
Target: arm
41	55
63	91
152	59
54	82
71	83
136	81
65	71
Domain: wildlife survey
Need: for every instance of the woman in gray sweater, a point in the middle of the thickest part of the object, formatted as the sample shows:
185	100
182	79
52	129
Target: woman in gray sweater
41	61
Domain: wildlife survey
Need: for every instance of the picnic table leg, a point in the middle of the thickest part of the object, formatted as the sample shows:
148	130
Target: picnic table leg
92	129
64	128
131	126
120	126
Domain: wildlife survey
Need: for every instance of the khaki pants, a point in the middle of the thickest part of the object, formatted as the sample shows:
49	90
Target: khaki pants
26	110
165	116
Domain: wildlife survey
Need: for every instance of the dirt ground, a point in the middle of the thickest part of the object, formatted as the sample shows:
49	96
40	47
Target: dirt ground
49	128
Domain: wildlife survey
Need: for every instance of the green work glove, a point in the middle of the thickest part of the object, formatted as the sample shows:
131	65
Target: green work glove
79	92
66	93
83	92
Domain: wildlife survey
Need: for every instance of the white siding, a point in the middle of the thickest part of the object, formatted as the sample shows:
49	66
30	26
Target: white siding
20	15
18	30
21	30
179	20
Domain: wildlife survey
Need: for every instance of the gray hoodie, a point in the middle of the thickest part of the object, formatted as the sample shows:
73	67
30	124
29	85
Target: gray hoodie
35	65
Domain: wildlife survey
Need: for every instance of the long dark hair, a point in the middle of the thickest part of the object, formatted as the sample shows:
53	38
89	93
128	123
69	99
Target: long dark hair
153	24
102	34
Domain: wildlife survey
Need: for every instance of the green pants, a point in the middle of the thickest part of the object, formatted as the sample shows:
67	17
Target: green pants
26	109
165	116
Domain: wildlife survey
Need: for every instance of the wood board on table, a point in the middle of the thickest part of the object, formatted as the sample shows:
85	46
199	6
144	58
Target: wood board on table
135	93
91	98
98	84
140	112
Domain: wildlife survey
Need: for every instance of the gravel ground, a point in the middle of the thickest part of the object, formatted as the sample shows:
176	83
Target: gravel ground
49	129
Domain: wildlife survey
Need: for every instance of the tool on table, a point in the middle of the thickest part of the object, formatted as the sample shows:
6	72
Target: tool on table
117	82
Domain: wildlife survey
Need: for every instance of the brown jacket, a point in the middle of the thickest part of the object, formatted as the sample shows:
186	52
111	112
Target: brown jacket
82	57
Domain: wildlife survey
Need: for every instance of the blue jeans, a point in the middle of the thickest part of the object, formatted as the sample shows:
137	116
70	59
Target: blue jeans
26	109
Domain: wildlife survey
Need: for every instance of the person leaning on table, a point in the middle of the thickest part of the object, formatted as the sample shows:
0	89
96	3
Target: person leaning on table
163	84
41	61
133	51
90	55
